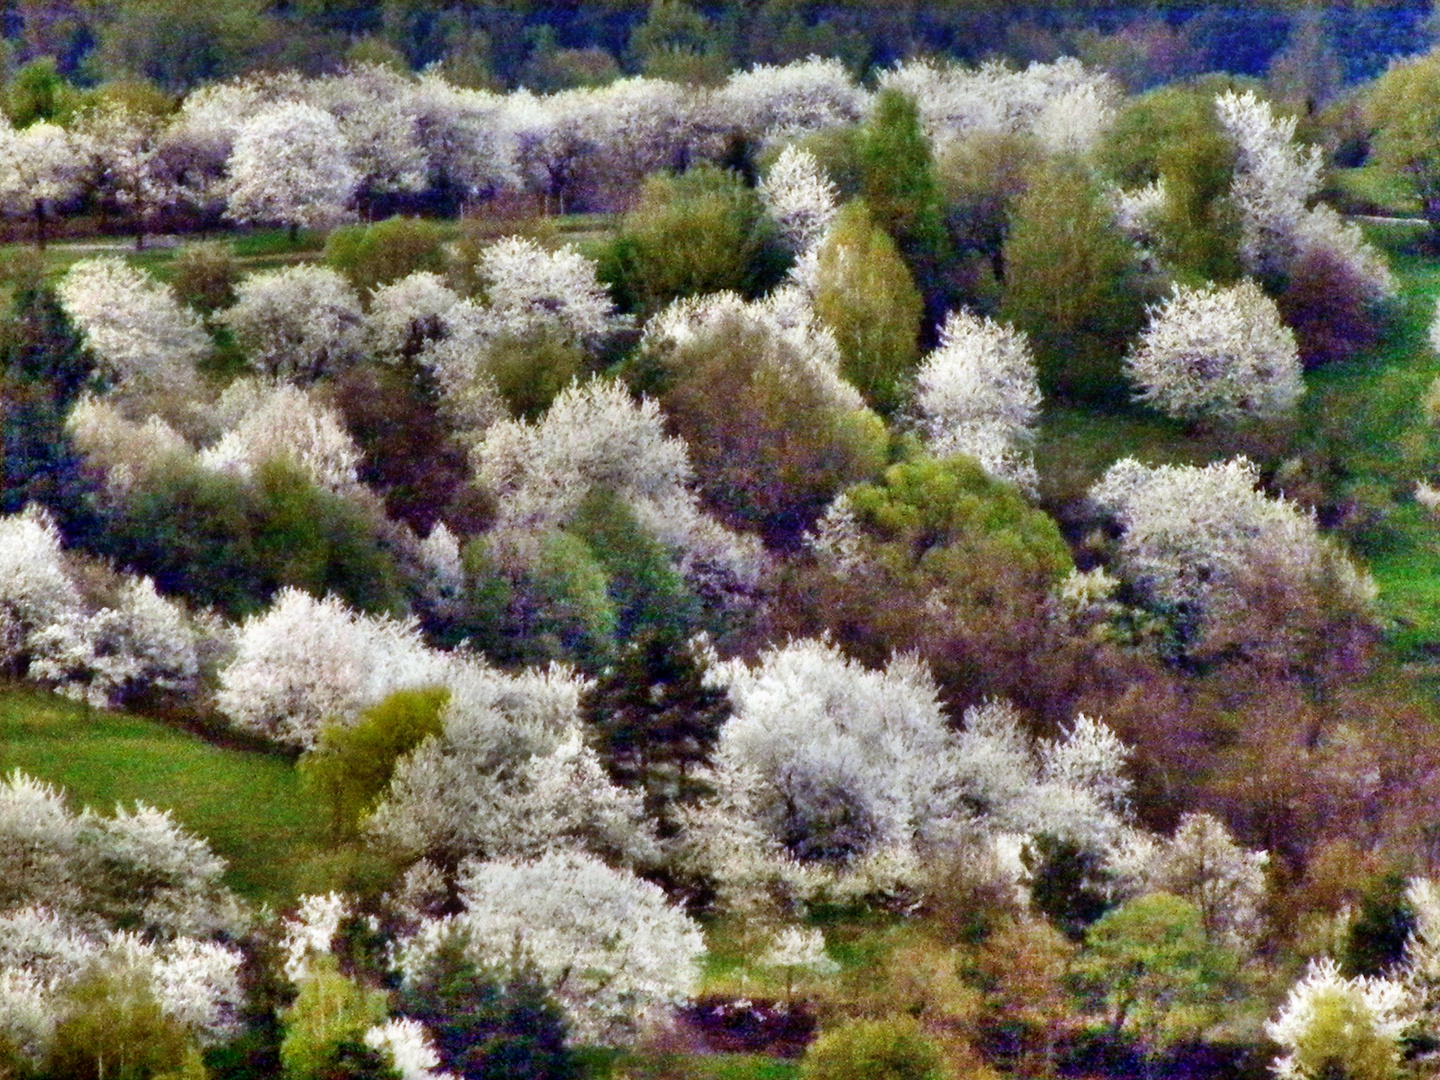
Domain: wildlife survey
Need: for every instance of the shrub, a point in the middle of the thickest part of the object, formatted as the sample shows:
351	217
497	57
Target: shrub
233	542
325	1029
1327	303
892	1049
373	255
770	443
1071	283
939	558
865	294
205	276
701	232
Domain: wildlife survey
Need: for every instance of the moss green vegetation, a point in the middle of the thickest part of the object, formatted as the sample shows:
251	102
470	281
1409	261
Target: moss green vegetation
249	805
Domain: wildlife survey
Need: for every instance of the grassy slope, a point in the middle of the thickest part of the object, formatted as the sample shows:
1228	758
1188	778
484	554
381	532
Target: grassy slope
1364	416
248	805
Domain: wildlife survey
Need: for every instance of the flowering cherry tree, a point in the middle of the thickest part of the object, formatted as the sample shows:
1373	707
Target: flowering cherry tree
1275	180
145	340
39	164
770	103
596	437
609	945
1217	351
834	779
800	197
286	422
1191	535
290	164
304	661
510	776
298	323
978	394
125	147
528	287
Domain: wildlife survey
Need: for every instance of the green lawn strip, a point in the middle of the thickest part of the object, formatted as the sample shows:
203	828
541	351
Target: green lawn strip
676	1066
1372	189
248	805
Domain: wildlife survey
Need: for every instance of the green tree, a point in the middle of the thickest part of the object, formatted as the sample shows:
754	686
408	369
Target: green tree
701	232
947	562
489	1024
1151	965
865	294
1404	108
351	764
113	1028
656	721
1173	135
39	92
1072	284
902	190
179	45
890	1049
675	41
325	1029
374	255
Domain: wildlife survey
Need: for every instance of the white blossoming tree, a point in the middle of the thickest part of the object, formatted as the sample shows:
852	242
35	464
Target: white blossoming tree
298	323
51	631
283	422
775	102
72	881
596	437
1275	179
145	340
1330	1025
290	164
978	394
304	661
1193	536
39	165
528	287
609	945
1217	351
835	779
800	197
511	776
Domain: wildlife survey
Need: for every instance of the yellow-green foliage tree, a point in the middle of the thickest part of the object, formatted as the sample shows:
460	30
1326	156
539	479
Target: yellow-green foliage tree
1404	109
1072	283
350	765
865	294
325	1028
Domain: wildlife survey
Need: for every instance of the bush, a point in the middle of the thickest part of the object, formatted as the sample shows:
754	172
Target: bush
373	255
1072	283
769	444
893	1049
205	276
233	543
701	232
865	294
529	369
1326	303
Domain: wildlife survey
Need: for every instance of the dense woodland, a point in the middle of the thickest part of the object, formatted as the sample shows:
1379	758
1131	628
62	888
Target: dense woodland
650	541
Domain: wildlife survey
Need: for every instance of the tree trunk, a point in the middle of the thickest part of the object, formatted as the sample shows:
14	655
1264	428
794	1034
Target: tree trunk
40	224
294	234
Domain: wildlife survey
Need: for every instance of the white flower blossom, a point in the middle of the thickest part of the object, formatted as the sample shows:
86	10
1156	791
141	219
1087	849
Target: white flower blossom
978	394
